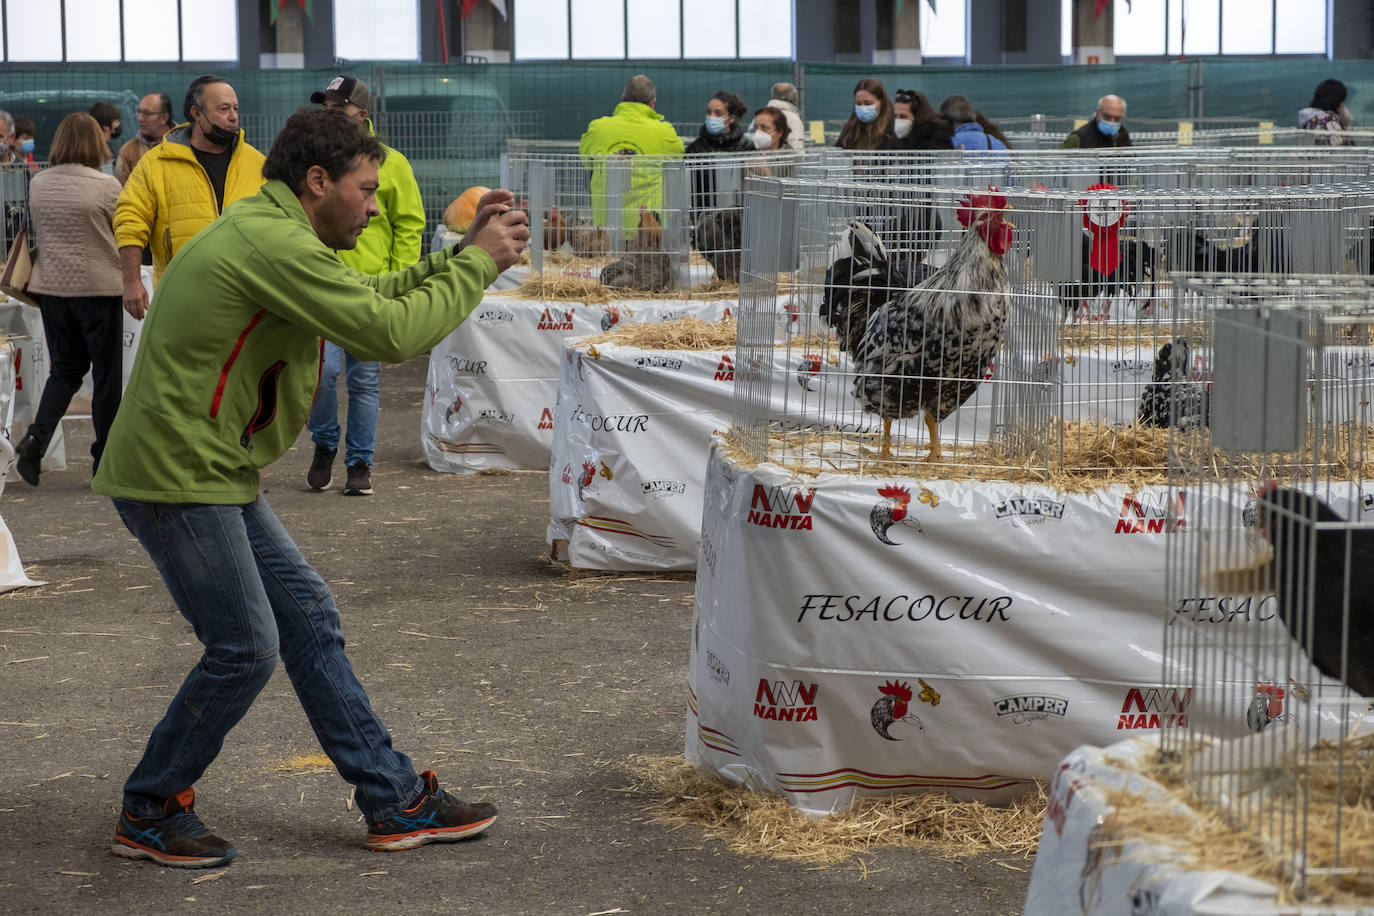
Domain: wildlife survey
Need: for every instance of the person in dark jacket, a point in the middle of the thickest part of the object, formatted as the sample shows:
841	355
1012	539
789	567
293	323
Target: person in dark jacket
1105	129
916	124
722	131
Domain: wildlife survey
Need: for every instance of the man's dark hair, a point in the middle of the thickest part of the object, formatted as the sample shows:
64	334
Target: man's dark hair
195	93
105	114
164	102
23	126
319	136
734	105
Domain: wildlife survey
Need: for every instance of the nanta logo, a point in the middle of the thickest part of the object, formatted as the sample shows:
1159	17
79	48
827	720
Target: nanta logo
725	371
779	701
781	507
1150	513
546	419
1155	707
556	320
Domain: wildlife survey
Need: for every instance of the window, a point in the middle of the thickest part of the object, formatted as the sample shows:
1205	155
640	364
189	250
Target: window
1066	28
376	30
637	29
78	31
944	33
1208	27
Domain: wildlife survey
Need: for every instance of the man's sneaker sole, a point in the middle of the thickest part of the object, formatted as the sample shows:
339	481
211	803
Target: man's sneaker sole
127	849
397	841
357	491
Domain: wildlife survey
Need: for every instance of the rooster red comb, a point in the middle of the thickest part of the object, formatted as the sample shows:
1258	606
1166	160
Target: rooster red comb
901	494
972	203
900	690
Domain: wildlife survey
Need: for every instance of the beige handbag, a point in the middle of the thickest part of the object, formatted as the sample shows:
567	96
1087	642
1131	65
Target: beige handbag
18	269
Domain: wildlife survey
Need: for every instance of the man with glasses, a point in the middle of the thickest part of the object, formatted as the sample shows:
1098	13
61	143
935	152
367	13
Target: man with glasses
1105	129
154	120
391	241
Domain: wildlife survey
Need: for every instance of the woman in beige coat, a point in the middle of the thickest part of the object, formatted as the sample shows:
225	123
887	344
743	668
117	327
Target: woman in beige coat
78	285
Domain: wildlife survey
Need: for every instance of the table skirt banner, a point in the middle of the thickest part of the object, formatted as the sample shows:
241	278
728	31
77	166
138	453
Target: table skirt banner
859	635
1080	867
12	573
493	382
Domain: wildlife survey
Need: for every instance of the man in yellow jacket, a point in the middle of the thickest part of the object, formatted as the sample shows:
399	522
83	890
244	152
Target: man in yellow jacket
181	185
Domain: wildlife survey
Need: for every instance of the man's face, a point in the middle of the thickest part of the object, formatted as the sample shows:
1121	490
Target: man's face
152	121
1113	110
348	204
348	108
221	107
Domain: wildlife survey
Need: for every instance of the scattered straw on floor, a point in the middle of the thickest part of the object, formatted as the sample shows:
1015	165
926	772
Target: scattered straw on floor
766	825
1337	803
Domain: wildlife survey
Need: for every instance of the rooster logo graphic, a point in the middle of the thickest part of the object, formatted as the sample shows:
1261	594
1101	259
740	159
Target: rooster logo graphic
1266	707
610	318
585	479
892	707
895	509
808	372
453	408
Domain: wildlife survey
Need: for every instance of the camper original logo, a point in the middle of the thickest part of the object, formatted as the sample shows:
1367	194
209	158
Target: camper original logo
662	489
779	701
493	314
1154	707
1030	707
1031	510
664	363
781	507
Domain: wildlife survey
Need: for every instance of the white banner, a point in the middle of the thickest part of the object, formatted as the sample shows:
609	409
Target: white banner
12	572
860	635
493	382
1074	873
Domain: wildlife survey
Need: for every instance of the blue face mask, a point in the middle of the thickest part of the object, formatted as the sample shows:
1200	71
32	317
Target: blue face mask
1108	128
26	146
866	113
715	125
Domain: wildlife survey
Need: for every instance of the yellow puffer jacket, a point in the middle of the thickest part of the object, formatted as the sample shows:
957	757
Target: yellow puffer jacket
168	197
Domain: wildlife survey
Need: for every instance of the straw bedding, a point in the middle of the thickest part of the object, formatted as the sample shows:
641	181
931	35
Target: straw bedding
569	287
1204	838
765	825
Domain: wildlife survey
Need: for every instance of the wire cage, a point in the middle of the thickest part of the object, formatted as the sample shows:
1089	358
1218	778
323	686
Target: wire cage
1027	363
1268	650
630	223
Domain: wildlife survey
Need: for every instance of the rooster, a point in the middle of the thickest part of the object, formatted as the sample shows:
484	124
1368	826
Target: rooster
860	279
1133	267
610	318
645	265
928	349
1171	399
1315	572
892	708
716	234
896	510
1247	257
555	230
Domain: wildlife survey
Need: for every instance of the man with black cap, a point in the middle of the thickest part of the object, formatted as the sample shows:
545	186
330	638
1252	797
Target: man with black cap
392	241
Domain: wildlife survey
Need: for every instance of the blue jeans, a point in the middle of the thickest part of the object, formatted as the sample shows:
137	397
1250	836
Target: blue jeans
364	384
240	580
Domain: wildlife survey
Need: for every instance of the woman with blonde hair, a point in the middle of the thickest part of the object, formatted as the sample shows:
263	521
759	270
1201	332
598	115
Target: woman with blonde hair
77	282
868	124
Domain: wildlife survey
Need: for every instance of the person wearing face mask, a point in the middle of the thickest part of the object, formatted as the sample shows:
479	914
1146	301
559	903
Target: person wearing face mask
722	131
24	133
181	185
872	115
916	124
1105	129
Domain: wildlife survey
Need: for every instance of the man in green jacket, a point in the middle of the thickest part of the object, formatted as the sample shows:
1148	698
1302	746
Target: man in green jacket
634	129
221	387
390	242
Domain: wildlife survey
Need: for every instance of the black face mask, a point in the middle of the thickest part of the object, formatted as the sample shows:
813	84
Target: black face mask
220	136
114	134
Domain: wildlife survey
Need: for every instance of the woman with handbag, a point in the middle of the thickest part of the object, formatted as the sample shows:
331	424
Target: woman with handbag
77	282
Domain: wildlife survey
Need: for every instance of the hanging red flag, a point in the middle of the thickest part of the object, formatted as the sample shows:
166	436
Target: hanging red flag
305	5
1100	7
468	6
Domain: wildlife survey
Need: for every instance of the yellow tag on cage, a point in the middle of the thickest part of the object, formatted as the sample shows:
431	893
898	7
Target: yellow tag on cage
1266	133
1185	133
818	132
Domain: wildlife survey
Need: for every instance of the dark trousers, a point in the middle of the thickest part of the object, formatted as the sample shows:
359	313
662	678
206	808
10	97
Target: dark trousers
84	332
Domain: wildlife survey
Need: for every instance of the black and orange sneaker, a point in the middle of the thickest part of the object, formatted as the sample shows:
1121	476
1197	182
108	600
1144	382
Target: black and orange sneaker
436	818
178	838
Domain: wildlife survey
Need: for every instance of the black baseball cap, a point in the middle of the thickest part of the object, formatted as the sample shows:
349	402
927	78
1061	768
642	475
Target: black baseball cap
345	90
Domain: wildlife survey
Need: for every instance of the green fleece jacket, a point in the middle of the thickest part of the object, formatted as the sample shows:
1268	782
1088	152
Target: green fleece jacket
639	134
230	354
393	240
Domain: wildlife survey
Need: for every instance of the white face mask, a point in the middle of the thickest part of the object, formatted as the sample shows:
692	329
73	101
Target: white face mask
762	139
901	127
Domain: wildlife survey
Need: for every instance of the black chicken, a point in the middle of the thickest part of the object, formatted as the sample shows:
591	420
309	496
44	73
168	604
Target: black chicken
1171	399
858	282
716	234
1135	267
1314	571
1249	257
